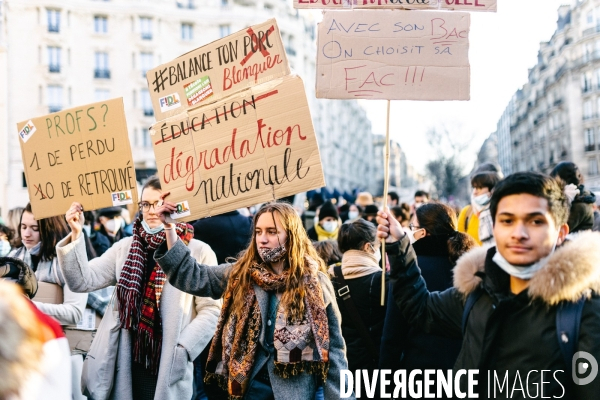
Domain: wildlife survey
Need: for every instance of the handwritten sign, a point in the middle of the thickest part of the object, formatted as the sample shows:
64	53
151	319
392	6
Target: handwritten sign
460	5
246	58
80	154
255	146
396	55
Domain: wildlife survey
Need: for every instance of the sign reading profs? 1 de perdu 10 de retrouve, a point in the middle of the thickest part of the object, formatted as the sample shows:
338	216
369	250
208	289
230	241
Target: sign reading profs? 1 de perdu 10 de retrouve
396	55
250	141
80	154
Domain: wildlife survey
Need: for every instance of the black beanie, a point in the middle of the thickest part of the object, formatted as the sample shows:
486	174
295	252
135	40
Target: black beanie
328	210
15	270
371	209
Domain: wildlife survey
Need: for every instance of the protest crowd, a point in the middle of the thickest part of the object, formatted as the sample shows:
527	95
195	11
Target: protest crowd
272	301
238	291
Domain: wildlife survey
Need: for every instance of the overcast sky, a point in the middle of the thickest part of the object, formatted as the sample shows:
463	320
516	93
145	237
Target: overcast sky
503	46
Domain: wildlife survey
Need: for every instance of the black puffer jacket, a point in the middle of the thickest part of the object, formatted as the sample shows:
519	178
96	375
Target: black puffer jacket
581	216
509	334
406	347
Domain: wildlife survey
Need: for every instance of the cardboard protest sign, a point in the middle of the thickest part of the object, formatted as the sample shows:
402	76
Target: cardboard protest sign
459	5
80	154
219	69
396	55
252	147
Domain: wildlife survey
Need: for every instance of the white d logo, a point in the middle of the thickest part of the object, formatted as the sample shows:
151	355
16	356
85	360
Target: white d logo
582	368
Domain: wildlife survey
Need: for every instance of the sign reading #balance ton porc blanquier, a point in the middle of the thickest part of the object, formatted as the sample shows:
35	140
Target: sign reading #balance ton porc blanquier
219	69
459	5
396	55
248	139
80	154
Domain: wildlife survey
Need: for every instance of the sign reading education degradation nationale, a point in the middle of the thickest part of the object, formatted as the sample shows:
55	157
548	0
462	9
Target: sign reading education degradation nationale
256	146
80	154
396	55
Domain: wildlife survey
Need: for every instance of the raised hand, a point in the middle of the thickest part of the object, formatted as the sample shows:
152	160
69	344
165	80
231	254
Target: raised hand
75	219
389	228
165	208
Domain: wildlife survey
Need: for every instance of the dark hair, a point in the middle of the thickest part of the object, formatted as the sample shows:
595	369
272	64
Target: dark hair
394	196
403	210
440	220
488	167
568	172
7	231
329	251
354	235
52	230
485	180
421	193
152	182
535	184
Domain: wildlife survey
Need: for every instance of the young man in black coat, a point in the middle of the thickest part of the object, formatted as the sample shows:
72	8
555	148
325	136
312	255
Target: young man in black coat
510	334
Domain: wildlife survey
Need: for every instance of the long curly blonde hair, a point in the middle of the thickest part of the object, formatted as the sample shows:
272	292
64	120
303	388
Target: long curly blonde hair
21	340
301	259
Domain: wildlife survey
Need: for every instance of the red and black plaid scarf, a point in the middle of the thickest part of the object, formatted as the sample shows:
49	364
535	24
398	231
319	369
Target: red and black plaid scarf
139	300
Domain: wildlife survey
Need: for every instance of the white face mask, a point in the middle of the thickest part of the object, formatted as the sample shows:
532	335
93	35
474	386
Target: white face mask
479	202
525	273
87	229
352	214
4	247
376	254
330	226
113	225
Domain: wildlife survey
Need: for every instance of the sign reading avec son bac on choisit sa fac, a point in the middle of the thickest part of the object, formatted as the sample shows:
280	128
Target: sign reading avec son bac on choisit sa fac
396	55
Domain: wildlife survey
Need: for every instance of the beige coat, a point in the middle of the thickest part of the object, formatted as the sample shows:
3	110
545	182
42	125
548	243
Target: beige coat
175	376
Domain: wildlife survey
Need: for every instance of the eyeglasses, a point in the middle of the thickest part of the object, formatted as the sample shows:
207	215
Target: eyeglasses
413	227
145	206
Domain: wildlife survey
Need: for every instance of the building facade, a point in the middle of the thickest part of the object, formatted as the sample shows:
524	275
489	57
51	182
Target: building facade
57	54
556	116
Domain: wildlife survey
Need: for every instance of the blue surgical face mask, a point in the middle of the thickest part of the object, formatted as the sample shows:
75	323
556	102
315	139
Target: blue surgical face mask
152	231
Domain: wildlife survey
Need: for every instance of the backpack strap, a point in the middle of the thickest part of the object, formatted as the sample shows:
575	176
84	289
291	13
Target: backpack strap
344	294
471	300
568	321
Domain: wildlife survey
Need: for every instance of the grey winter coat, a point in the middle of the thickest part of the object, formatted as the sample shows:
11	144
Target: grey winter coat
184	336
205	280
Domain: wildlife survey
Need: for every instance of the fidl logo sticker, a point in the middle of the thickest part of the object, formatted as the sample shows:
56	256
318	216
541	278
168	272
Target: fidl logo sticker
27	131
183	210
122	198
169	102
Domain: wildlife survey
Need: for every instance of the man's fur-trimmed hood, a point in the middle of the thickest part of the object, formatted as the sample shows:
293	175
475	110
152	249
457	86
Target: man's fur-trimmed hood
572	271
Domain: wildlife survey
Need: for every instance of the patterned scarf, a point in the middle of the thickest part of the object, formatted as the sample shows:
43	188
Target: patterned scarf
234	348
139	300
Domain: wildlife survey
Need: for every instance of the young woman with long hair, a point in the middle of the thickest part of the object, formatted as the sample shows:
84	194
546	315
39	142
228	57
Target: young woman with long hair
279	332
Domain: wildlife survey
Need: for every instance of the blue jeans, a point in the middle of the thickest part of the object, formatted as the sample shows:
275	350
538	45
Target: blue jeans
198	386
320	395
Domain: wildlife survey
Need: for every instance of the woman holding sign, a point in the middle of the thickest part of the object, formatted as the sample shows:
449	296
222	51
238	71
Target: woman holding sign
279	332
159	337
39	238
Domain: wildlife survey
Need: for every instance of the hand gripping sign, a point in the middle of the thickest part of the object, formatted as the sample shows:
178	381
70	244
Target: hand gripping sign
80	154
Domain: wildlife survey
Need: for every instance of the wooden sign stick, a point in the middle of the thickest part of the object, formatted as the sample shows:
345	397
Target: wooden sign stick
386	183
